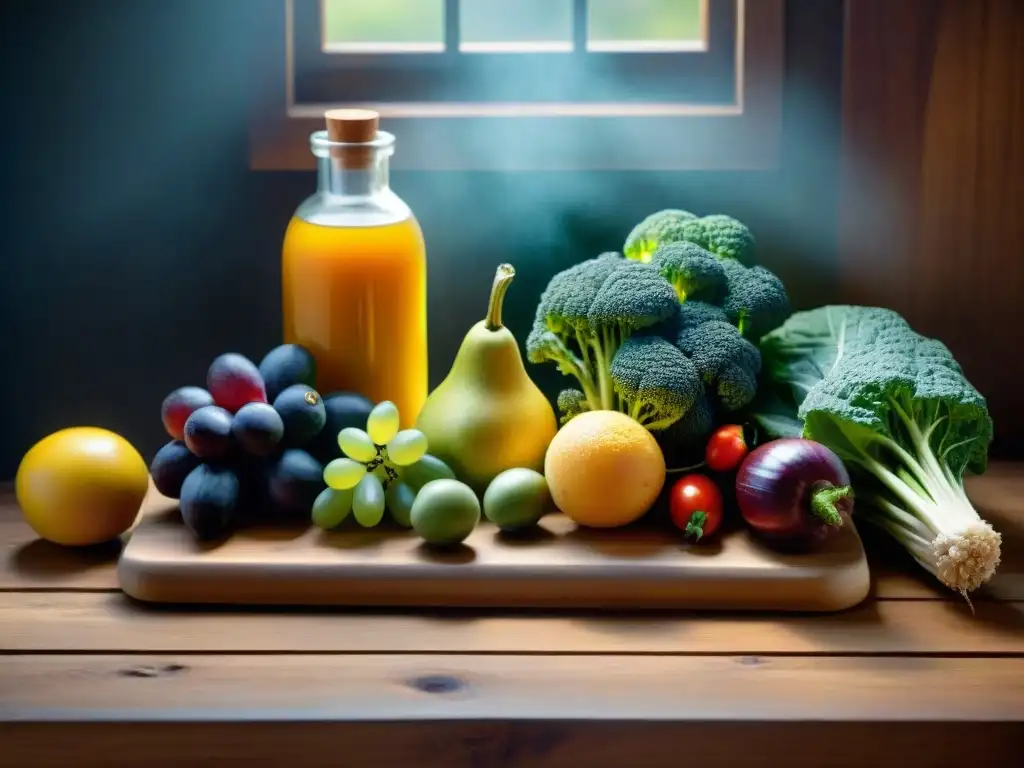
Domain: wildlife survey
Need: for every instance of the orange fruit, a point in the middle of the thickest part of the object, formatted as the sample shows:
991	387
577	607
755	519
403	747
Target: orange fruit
81	486
604	469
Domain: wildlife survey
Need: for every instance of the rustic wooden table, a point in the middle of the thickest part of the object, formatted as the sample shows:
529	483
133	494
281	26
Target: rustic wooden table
910	677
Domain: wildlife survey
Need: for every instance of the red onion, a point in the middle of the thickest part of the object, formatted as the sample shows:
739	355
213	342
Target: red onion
794	493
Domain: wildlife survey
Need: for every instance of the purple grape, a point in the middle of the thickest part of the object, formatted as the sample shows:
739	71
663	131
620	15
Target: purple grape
234	381
171	465
208	432
258	428
287	365
302	410
209	501
181	404
295	480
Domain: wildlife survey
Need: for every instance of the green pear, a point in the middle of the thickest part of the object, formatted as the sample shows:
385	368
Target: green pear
488	415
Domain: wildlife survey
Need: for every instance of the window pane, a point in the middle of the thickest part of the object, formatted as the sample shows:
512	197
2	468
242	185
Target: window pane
646	25
516	25
383	25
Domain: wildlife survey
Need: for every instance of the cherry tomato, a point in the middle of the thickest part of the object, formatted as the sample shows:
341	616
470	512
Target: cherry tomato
727	448
696	506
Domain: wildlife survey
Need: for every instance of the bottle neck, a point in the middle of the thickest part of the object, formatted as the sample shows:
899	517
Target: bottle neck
341	177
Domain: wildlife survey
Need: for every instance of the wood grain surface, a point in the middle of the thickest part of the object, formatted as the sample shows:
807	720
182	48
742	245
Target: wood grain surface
381	687
111	623
933	180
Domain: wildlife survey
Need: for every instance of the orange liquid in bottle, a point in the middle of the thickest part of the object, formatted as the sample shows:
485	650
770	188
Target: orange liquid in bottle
355	296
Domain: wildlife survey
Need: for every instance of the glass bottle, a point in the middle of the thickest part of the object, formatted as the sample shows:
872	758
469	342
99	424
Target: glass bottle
354	271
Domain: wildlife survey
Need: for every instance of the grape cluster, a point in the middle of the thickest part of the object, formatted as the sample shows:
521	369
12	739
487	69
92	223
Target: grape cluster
383	467
253	443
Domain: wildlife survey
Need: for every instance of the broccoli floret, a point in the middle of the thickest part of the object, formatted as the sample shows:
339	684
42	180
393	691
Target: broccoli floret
588	311
567	299
694	313
727	363
657	383
571	403
694	272
756	301
658	228
724	236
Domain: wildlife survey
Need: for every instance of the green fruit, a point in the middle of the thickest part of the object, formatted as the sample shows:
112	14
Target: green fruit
331	508
445	512
517	498
399	499
368	501
487	415
423	471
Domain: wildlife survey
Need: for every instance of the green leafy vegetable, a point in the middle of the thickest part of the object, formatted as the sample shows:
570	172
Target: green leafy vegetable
896	407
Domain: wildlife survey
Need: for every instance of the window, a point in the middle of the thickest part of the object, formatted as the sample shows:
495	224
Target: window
542	84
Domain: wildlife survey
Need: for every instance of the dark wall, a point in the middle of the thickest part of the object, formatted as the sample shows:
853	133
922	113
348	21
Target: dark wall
137	245
933	182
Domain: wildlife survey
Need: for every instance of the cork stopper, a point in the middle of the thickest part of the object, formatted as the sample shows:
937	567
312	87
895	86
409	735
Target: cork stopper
352	126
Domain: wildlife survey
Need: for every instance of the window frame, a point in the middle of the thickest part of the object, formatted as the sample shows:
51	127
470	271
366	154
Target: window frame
743	132
404	76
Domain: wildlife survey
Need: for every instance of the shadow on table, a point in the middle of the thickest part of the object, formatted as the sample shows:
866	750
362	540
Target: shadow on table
41	559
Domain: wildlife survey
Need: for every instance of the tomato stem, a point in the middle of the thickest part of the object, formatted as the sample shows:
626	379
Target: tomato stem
695	525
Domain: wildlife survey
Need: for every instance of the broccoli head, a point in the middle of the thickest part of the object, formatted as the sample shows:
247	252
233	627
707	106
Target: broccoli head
727	363
694	272
654	231
588	311
756	301
571	403
655	381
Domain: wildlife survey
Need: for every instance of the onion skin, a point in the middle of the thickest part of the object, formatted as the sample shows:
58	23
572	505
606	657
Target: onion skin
794	493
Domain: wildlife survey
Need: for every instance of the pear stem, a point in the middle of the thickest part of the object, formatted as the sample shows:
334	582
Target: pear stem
502	280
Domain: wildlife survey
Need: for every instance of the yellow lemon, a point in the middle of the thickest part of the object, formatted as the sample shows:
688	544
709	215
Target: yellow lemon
604	469
81	486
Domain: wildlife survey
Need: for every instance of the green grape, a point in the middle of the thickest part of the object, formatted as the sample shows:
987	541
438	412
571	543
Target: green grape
331	508
407	447
382	423
357	444
343	474
423	471
368	501
399	498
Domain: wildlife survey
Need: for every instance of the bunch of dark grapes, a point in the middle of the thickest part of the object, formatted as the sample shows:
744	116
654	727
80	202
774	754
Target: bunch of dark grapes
253	444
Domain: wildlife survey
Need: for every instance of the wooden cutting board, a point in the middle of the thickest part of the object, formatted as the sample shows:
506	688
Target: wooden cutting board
557	566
